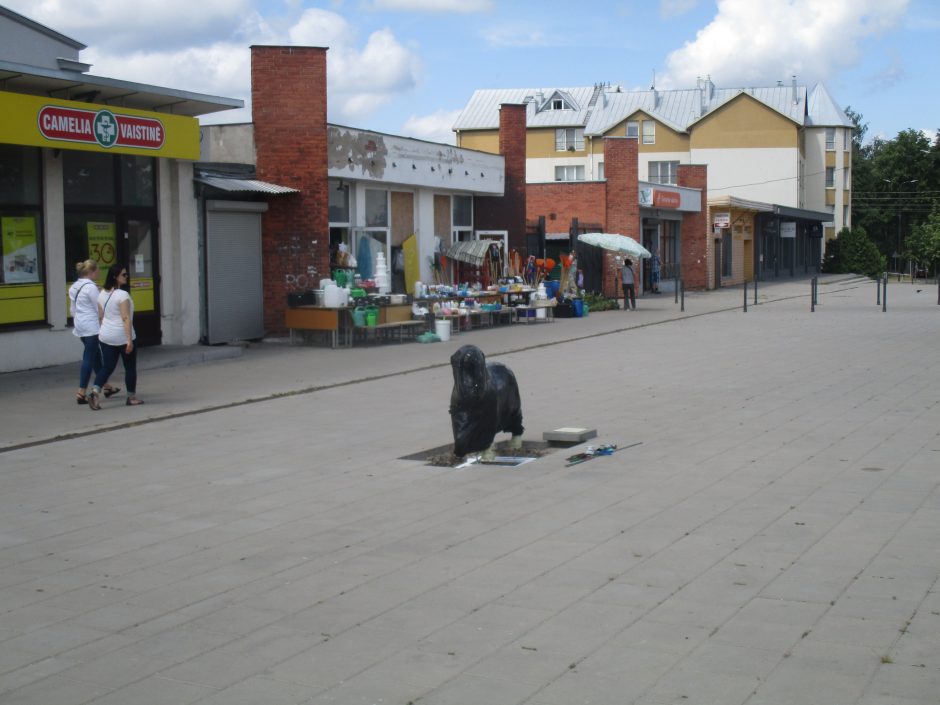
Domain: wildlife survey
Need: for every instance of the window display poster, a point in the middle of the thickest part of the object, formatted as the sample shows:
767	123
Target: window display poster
20	251
102	245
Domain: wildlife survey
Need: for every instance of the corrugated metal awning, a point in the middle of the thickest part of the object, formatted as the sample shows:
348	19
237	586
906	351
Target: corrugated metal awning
243	185
471	251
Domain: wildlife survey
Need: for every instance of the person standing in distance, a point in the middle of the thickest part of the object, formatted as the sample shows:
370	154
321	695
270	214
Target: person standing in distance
83	299
116	311
629	286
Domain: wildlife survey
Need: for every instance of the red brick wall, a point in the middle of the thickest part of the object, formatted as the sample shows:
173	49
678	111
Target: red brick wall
585	201
623	205
695	230
288	96
509	211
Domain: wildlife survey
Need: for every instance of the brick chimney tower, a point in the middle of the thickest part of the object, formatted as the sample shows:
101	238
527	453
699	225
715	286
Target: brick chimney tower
288	110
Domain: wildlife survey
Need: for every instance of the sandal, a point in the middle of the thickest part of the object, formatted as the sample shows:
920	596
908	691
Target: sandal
80	398
110	391
93	402
133	401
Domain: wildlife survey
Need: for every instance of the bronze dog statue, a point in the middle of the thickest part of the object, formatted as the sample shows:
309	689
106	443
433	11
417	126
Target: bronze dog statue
485	401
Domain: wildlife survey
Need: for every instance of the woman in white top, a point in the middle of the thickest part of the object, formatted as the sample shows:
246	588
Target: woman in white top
83	295
116	336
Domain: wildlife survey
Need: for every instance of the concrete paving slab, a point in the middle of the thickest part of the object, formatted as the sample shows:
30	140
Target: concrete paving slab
254	531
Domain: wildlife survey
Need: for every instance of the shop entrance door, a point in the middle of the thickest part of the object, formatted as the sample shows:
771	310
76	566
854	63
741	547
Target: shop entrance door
139	245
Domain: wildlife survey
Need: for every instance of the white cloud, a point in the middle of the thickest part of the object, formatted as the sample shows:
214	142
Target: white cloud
207	51
120	26
461	6
436	127
756	43
675	8
360	80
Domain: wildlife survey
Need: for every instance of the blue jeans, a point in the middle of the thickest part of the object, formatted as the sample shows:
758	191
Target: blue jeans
110	355
91	360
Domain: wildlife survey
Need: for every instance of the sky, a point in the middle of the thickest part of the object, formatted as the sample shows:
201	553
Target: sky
407	67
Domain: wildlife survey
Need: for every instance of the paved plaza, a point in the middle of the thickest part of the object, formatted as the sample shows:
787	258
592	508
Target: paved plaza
252	535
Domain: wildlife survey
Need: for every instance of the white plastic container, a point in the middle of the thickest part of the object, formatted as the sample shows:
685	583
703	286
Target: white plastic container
331	296
442	329
540	312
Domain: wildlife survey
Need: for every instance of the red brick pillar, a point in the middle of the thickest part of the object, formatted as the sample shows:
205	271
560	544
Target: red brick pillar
695	231
623	204
288	109
507	212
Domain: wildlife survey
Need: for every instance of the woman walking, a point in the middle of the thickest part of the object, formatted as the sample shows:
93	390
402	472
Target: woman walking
116	311
83	297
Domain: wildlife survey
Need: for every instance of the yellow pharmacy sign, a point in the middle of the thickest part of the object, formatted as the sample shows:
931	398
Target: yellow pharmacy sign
65	124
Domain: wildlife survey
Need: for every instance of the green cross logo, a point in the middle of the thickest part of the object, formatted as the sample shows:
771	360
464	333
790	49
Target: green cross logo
106	128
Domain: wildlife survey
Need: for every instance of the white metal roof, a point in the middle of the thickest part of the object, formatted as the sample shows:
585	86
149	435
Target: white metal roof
602	107
823	111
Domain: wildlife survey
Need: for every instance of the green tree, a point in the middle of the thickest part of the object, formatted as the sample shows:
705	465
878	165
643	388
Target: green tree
895	183
923	245
852	251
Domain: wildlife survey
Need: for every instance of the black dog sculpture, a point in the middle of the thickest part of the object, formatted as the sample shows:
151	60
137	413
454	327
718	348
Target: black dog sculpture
484	402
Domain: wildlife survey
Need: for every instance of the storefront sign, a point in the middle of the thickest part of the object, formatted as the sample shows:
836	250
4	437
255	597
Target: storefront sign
103	127
787	229
666	199
721	220
43	122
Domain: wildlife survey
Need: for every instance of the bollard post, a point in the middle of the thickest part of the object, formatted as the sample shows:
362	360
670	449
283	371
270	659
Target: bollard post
816	290
938	288
682	295
884	296
812	297
676	287
755	290
878	297
745	296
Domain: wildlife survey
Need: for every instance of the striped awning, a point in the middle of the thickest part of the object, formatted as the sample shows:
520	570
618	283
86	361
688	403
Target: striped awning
470	251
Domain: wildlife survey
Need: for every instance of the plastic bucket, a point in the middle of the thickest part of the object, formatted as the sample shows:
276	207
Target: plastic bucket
359	316
578	305
372	315
442	329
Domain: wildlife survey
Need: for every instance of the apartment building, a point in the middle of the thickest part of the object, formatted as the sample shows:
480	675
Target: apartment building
785	148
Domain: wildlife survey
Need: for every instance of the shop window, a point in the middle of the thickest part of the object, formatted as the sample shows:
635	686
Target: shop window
664	173
339	201
726	246
88	178
633	128
569	139
22	280
669	249
569	172
830	177
462	211
20	182
138	181
376	208
830	138
649	132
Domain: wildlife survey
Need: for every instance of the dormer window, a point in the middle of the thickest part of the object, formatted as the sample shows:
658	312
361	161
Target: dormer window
560	104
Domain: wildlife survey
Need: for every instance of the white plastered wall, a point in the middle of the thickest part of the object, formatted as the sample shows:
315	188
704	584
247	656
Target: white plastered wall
768	175
179	253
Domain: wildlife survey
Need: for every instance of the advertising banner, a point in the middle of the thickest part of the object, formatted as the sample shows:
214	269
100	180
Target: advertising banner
20	252
102	246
